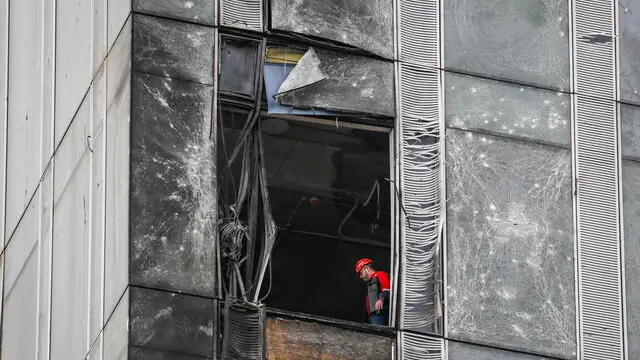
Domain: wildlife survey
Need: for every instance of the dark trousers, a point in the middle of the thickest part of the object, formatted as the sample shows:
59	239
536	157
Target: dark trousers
379	318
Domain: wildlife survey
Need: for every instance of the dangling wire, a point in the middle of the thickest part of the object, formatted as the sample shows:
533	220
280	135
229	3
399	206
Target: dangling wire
375	189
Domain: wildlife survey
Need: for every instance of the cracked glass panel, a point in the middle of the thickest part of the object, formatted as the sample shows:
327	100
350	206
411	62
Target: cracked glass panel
523	40
173	49
199	11
462	351
172	186
510	246
631	208
238	60
629	17
367	24
630	121
352	84
501	108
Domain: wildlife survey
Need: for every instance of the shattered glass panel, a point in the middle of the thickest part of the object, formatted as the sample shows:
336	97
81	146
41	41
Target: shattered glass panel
524	40
501	108
510	246
629	17
238	59
173	322
353	84
631	203
367	24
462	351
173	49
172	187
200	11
630	122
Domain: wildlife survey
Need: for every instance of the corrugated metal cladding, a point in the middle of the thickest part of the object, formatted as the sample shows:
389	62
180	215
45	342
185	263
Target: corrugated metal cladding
244	14
419	347
418	24
597	182
418	127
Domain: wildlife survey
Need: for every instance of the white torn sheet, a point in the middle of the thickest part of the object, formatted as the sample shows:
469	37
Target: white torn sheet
306	72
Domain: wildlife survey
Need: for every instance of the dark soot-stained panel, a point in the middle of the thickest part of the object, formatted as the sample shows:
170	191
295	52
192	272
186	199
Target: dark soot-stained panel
173	194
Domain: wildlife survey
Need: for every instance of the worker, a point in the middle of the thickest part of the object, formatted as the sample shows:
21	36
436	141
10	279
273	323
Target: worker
378	292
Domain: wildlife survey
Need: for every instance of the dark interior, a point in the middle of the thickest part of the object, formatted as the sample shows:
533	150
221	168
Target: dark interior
319	176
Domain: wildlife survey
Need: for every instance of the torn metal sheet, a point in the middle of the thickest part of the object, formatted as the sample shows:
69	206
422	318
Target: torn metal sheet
307	72
367	24
274	75
354	84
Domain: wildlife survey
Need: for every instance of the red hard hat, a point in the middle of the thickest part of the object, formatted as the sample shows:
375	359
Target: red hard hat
362	263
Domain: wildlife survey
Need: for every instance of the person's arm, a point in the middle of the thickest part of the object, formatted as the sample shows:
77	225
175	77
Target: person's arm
385	290
385	286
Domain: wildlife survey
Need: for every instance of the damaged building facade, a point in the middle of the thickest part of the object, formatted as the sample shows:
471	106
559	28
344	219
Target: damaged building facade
197	179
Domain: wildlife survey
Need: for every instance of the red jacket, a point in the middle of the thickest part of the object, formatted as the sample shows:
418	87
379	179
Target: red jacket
378	288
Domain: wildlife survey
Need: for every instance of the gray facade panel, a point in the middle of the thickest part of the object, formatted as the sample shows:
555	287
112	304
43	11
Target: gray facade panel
19	335
116	331
116	251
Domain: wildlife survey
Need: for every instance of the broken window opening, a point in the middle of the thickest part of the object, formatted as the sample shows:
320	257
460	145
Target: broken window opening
303	80
331	202
304	190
